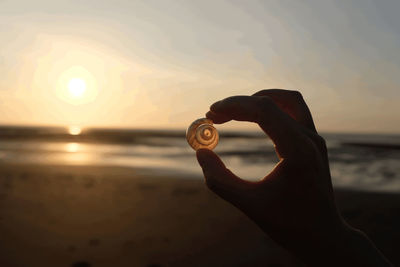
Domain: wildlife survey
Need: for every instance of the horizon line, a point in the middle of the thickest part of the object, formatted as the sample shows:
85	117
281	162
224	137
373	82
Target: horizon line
149	128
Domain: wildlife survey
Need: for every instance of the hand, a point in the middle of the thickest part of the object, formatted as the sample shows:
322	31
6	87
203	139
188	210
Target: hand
294	204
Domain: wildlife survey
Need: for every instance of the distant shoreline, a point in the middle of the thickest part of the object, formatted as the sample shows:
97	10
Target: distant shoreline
373	145
120	135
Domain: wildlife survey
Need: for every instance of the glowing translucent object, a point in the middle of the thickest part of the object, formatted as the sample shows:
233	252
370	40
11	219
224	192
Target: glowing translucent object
201	134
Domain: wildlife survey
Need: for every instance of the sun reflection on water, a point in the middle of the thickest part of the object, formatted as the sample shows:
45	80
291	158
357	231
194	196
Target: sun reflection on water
72	147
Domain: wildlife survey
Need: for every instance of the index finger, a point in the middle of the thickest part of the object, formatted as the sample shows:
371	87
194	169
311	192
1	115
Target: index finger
279	126
292	102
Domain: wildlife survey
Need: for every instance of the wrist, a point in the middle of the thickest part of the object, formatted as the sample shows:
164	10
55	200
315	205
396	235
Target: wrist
343	246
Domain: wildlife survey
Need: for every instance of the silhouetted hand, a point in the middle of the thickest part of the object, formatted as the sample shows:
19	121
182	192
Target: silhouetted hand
294	204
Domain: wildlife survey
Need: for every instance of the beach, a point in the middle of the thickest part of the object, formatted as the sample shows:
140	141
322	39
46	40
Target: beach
60	215
105	104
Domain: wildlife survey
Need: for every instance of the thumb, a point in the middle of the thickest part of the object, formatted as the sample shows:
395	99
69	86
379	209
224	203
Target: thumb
220	179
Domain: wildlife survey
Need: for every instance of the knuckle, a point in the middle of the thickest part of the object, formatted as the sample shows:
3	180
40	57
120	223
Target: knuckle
320	141
296	94
261	92
264	105
265	101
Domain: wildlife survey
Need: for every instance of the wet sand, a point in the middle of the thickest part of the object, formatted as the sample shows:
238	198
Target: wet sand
107	216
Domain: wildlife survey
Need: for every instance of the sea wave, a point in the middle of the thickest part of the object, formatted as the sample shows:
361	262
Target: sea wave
368	162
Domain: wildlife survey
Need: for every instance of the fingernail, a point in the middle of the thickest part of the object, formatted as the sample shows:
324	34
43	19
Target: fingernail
215	106
209	114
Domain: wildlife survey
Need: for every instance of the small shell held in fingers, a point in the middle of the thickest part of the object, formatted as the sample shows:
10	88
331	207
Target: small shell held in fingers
202	134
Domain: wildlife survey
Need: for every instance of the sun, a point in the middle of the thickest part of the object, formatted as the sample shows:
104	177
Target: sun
74	130
76	87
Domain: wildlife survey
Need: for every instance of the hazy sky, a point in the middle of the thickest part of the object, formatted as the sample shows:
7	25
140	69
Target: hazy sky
162	63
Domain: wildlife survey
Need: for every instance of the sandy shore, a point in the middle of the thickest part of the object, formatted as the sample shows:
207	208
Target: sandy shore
107	216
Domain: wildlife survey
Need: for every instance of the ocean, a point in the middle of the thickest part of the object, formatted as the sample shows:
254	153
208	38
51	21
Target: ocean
358	161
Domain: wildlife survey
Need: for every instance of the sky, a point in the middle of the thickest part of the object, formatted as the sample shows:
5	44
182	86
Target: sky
161	64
